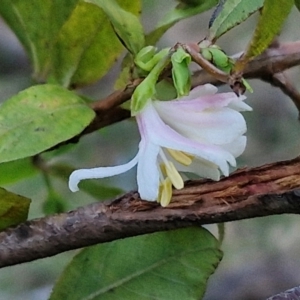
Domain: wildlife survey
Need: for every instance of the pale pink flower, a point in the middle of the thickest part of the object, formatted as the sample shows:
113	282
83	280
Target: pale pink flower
201	133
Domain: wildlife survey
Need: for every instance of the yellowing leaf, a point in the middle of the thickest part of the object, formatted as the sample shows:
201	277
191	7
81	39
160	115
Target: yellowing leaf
87	46
38	118
126	25
36	23
13	209
272	17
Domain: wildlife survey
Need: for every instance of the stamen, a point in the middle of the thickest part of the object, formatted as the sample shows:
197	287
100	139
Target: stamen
174	176
165	195
181	157
163	170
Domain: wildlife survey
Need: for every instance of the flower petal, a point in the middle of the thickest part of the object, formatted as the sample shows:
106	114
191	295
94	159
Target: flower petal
239	105
163	135
199	91
147	170
219	126
236	147
202	168
100	172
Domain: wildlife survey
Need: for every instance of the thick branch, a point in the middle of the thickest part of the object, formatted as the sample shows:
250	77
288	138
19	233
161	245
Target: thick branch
267	190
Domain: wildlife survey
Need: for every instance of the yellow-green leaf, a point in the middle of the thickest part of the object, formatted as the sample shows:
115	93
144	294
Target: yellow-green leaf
126	25
38	118
272	17
36	23
87	45
13	209
166	265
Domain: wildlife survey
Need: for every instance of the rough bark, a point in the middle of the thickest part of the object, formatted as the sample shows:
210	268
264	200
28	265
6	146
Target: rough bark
247	193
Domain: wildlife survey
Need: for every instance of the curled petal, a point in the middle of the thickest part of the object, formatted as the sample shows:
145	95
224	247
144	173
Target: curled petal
101	172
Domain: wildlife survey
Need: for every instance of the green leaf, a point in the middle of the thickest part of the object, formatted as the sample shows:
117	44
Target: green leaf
232	13
180	12
13	209
297	3
38	118
87	46
165	265
36	23
14	171
126	25
272	17
96	190
54	203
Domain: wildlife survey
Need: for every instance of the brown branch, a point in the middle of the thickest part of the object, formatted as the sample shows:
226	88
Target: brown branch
267	190
274	60
281	80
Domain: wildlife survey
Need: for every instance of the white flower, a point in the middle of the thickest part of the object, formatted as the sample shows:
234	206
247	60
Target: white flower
201	133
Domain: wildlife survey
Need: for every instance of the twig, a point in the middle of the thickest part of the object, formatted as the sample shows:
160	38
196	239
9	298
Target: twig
280	80
272	61
263	191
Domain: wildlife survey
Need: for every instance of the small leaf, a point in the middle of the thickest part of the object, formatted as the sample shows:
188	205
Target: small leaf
126	25
38	118
180	12
14	171
272	17
233	12
13	209
165	265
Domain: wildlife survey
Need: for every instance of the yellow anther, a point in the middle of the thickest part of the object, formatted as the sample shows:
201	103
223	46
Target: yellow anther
183	158
174	176
163	169
165	192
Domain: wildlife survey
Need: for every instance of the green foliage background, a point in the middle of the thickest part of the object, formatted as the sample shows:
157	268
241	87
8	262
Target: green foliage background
253	251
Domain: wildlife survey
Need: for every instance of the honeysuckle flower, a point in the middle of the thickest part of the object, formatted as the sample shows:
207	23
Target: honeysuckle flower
201	133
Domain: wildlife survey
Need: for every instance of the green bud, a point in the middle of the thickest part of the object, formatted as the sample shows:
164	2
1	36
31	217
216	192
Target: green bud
206	54
219	58
144	56
180	72
146	89
147	58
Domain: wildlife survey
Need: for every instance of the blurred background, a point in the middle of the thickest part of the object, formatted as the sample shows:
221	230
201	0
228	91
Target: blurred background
261	256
